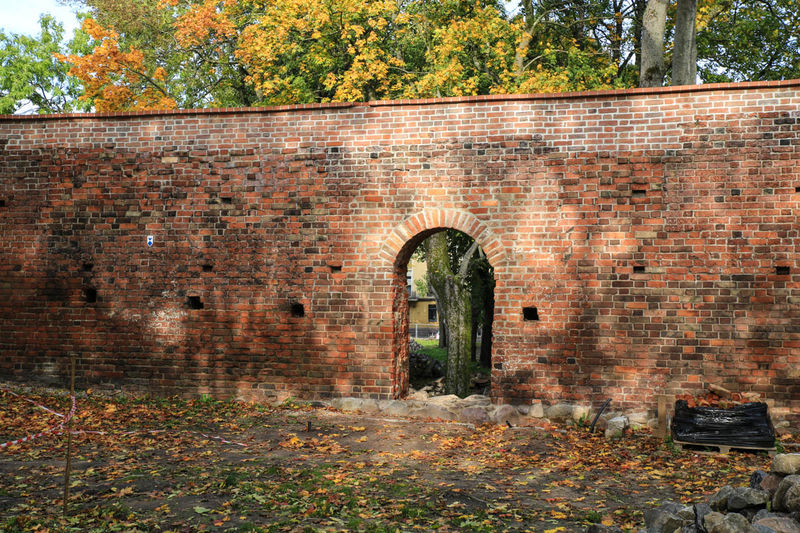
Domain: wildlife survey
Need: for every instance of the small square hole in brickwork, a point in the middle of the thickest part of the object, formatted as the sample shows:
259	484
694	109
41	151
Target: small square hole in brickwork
226	200
87	267
208	268
639	269
336	268
736	192
2	203
90	295
194	302
782	270
639	192
797	189
297	309
530	313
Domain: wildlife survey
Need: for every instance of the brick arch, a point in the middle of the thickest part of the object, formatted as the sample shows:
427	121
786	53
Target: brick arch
397	249
406	236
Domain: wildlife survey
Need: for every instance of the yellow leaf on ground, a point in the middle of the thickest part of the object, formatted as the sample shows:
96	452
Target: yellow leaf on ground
292	442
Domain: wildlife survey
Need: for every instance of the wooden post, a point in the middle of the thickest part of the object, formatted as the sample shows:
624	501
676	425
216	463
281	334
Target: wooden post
661	430
69	432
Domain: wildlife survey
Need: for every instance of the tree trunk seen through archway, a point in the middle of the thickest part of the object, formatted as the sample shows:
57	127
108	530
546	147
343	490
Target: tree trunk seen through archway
454	302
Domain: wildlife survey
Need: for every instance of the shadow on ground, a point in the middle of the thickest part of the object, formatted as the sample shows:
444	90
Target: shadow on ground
160	466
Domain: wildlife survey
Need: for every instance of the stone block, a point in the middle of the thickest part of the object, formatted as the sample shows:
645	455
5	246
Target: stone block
616	427
786	463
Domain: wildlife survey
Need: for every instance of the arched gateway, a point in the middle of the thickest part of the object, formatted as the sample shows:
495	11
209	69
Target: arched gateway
645	242
397	249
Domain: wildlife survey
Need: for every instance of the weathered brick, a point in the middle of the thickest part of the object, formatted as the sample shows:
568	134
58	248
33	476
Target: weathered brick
281	236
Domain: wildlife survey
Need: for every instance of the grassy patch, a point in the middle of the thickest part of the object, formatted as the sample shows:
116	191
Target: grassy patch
430	347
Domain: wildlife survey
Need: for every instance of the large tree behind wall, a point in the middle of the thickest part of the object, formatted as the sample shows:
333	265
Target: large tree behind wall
684	47
652	68
719	41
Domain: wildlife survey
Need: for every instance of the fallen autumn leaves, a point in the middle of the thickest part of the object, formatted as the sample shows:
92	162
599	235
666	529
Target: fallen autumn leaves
156	469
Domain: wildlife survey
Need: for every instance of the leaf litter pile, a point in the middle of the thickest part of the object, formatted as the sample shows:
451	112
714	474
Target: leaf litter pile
178	465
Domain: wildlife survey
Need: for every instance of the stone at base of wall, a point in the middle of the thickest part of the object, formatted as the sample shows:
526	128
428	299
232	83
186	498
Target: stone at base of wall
478	409
475	409
451	407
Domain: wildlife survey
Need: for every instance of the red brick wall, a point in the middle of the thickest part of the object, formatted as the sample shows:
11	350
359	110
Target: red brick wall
258	212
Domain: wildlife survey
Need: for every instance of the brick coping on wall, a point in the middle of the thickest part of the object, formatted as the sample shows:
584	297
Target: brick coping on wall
739	86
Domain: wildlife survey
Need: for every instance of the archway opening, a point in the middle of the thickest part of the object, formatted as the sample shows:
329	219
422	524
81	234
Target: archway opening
443	315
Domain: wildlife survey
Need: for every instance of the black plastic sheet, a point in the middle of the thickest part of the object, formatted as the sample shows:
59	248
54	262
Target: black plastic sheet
746	425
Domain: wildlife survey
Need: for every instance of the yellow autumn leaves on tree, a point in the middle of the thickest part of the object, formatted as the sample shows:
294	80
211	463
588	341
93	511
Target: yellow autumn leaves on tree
244	52
323	50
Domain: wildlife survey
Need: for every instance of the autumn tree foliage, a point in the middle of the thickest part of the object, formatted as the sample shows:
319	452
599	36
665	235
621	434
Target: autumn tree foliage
193	53
208	53
165	53
240	52
340	50
115	79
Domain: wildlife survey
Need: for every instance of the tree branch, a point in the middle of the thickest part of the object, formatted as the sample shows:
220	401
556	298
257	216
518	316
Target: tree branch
462	271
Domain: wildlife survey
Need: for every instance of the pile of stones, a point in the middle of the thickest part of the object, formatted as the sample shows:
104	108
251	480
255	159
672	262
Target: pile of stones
433	388
770	504
421	365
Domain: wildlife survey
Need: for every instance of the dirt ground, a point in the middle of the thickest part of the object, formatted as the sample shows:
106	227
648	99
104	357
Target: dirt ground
159	465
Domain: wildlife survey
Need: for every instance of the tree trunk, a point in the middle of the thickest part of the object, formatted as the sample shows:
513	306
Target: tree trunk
652	67
473	355
454	304
478	293
486	335
459	348
619	28
638	18
525	41
684	56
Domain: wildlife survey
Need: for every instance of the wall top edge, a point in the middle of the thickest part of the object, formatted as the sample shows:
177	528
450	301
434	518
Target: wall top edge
608	94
